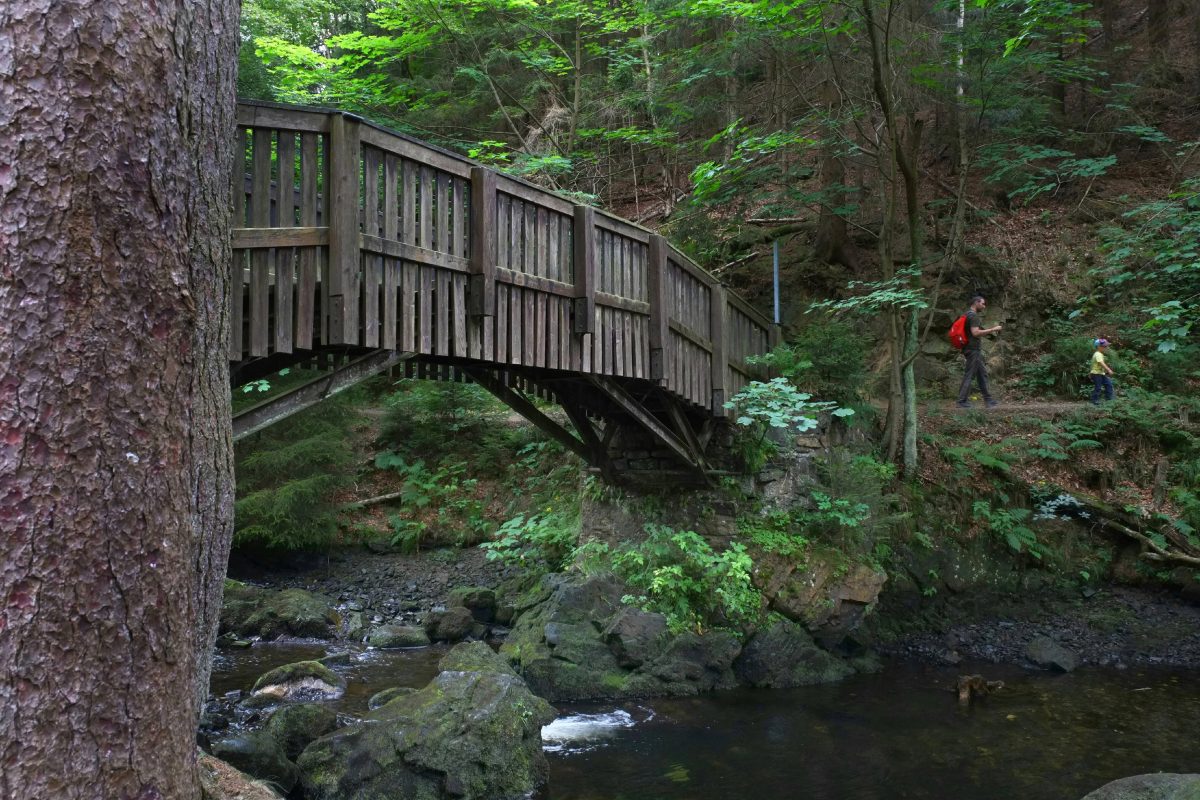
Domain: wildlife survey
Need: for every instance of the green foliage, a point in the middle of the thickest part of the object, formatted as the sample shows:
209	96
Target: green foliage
543	542
288	477
962	458
1061	370
680	575
1008	525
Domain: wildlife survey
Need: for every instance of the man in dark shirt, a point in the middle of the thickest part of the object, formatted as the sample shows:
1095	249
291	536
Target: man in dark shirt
973	350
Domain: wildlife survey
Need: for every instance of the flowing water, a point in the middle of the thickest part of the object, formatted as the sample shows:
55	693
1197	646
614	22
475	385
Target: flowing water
898	734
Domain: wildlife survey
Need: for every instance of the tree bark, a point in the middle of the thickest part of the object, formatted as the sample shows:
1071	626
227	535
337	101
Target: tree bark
115	445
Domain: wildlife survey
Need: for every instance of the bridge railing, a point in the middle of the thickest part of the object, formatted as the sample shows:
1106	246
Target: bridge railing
348	233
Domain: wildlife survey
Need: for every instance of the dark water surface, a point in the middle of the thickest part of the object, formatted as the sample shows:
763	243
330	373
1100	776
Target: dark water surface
899	734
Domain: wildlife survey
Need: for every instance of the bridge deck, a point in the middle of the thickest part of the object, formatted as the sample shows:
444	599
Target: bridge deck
352	235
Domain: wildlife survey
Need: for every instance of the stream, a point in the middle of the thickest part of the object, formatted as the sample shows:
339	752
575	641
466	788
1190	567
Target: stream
898	734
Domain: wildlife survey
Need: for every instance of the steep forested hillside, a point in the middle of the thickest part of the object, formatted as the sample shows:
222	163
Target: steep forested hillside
905	155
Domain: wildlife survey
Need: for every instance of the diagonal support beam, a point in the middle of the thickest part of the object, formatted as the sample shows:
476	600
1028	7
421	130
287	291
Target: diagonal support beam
530	412
268	412
617	394
684	429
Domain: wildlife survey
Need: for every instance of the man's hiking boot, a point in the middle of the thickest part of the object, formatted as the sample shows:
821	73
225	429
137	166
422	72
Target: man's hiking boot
993	403
963	404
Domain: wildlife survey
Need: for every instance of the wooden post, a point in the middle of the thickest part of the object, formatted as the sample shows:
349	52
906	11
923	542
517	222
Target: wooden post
344	253
656	278
482	290
585	270
720	353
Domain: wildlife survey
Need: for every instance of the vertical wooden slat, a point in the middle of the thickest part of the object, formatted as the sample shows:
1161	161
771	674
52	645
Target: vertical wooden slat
656	279
260	217
409	308
236	278
373	268
531	239
344	172
584	236
324	262
554	265
425	309
458	219
306	285
442	218
391	266
425	211
516	321
529	329
720	354
542	337
516	243
501	334
442	295
483	242
459	313
408	202
285	256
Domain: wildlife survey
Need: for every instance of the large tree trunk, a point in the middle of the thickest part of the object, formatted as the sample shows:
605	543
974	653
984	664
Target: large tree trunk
115	447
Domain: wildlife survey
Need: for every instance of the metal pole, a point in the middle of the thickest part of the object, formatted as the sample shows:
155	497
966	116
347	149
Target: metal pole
775	265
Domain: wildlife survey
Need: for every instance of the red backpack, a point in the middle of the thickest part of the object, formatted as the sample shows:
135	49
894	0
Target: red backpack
958	333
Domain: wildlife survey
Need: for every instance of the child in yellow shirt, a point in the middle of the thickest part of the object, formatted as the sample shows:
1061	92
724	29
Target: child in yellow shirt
1100	373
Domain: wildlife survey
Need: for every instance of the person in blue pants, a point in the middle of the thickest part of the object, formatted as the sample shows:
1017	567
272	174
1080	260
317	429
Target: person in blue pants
1100	372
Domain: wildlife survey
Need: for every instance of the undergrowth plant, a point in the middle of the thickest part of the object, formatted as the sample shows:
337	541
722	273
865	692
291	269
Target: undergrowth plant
1008	524
679	575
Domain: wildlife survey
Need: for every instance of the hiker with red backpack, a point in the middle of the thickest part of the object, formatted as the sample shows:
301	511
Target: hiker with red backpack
966	334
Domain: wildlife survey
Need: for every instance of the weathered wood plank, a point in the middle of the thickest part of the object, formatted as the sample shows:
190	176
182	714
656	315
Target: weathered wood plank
458	220
541	337
391	287
533	194
386	247
237	295
584	236
409	308
459	314
425	312
483	242
656	280
442	215
260	217
392	143
720	353
442	295
306	284
524	281
291	119
408	203
425	189
344	258
269	238
373	267
502	314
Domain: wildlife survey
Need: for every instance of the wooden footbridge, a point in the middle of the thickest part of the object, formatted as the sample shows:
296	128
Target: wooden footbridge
358	249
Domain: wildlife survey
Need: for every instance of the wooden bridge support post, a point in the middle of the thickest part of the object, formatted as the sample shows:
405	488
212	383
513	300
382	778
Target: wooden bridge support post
482	289
659	313
585	269
720	354
345	170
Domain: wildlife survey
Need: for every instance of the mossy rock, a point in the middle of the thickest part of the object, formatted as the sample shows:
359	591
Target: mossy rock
381	699
784	656
250	611
475	657
480	601
471	734
294	726
257	754
1160	786
303	680
393	636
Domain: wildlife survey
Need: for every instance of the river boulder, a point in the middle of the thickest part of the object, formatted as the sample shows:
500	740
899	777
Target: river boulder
1160	786
294	726
819	591
481	602
252	611
389	636
784	656
220	781
382	698
1049	654
257	754
474	732
451	625
302	681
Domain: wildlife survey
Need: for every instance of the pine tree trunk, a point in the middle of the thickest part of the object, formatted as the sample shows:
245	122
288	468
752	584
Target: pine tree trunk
115	447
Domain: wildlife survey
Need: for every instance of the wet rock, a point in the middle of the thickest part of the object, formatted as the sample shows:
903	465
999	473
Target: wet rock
251	611
354	626
220	781
451	625
1160	786
294	726
692	663
229	641
821	595
386	636
480	601
301	681
1047	653
380	699
334	659
635	636
257	754
470	733
784	656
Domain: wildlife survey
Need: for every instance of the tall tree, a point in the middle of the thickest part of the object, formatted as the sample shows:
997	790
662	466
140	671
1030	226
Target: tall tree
115	447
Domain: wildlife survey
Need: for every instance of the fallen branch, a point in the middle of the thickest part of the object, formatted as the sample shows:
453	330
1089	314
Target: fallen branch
372	501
